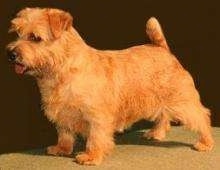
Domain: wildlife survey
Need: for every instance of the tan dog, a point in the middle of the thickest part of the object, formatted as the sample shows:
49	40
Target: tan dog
95	93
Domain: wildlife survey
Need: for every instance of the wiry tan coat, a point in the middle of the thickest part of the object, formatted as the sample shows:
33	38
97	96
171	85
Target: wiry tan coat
95	93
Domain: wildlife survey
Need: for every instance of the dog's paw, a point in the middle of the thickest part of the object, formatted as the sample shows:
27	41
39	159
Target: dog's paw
88	159
202	147
57	150
154	135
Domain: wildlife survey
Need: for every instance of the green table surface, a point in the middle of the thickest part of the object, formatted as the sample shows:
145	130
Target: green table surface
131	152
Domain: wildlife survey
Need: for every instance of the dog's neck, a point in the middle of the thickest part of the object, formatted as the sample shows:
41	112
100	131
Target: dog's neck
75	54
76	38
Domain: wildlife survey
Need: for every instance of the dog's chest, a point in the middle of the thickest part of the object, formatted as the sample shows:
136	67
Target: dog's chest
62	106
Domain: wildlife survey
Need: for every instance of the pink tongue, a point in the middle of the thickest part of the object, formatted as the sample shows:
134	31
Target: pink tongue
19	69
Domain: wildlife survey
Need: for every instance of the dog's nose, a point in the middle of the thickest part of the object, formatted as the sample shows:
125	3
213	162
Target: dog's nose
12	55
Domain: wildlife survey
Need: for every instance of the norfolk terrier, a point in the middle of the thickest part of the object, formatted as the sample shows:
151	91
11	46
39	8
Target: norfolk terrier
96	93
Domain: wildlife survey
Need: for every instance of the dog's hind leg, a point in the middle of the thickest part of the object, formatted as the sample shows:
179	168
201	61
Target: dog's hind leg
197	118
162	125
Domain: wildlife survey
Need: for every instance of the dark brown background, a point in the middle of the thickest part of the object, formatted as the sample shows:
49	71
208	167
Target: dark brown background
191	27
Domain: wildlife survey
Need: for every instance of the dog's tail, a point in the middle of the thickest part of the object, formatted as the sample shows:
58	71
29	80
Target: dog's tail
155	33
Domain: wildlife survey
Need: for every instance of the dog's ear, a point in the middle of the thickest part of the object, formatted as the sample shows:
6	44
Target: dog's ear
59	21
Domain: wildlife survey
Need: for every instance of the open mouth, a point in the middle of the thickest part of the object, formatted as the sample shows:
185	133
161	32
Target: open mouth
20	68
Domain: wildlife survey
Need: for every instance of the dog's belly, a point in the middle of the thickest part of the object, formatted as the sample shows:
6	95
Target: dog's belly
138	105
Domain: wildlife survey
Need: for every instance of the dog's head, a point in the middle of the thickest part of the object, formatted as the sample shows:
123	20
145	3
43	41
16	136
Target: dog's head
42	37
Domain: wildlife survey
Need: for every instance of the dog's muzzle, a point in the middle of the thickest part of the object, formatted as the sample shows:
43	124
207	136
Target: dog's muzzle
13	58
12	55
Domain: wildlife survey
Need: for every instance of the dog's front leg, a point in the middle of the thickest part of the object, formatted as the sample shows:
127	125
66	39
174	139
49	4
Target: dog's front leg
99	143
64	145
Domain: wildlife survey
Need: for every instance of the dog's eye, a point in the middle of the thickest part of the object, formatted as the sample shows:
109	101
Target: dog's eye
34	38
